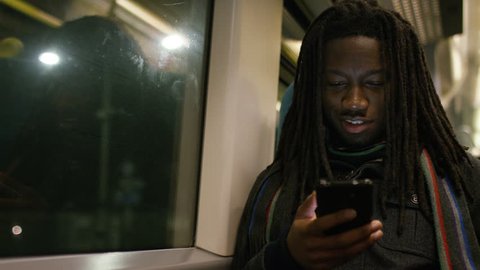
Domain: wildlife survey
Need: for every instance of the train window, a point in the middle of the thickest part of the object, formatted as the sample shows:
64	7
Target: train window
101	111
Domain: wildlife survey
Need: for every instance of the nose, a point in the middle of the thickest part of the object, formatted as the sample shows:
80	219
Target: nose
355	99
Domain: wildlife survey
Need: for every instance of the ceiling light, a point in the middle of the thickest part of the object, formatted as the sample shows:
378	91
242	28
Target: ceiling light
49	58
173	42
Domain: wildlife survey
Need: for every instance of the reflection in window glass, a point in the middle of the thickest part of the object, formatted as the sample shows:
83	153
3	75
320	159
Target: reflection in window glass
101	108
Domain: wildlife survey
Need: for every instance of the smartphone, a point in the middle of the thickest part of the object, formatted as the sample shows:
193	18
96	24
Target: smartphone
355	194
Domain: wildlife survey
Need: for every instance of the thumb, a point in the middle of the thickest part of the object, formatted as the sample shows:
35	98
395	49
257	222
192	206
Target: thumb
307	209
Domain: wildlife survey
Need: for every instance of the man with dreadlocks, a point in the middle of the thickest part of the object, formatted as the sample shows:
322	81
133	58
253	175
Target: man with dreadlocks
364	106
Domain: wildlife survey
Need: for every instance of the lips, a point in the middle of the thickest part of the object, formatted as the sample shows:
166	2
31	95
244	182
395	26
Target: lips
355	125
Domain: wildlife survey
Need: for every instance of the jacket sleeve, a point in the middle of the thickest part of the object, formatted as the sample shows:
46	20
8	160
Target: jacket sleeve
277	256
252	251
273	256
244	257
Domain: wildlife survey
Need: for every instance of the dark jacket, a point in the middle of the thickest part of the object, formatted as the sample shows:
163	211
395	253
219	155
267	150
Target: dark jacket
417	246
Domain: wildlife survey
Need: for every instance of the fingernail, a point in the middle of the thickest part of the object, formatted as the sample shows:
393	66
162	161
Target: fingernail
377	235
376	225
350	213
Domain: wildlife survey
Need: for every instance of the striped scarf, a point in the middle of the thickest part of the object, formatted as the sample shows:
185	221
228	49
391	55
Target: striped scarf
454	231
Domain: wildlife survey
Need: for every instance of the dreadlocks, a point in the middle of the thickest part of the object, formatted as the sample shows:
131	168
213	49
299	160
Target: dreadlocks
415	117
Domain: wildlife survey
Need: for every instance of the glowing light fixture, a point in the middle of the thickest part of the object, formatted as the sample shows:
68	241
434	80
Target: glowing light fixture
291	48
145	15
278	106
16	230
49	58
456	57
174	41
10	47
32	11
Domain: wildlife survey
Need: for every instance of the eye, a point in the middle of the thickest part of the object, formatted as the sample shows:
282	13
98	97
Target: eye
375	84
337	84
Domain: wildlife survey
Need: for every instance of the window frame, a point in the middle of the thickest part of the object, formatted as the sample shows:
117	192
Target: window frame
238	142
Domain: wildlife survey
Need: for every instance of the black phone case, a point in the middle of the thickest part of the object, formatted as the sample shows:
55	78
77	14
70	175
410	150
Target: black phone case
355	194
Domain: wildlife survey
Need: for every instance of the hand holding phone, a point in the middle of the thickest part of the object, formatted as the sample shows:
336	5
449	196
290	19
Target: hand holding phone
311	247
353	194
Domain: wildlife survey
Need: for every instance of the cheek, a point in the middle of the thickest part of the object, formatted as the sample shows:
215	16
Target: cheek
326	108
328	113
378	102
329	102
330	107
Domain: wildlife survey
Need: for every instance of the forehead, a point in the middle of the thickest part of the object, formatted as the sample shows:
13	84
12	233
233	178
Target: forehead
354	50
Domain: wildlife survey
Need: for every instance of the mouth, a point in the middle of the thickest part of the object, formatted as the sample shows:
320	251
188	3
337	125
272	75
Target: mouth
355	121
355	125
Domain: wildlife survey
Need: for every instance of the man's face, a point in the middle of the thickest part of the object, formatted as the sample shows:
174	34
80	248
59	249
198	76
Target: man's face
353	93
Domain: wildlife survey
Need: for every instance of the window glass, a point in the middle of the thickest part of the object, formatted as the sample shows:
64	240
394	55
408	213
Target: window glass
101	109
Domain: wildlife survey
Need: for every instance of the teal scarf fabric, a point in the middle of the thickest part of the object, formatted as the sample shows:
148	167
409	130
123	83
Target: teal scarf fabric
357	157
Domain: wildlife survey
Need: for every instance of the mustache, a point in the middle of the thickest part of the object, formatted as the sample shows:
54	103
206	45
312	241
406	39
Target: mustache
353	112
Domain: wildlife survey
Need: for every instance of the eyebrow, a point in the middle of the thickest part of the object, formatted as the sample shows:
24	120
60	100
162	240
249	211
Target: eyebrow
368	73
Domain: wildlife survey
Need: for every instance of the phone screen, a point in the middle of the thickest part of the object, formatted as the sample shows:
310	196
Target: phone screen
354	194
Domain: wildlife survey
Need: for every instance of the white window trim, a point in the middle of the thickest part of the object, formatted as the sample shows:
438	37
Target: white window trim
185	258
240	114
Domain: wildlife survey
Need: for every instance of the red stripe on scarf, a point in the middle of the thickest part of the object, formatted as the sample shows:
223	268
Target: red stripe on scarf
439	208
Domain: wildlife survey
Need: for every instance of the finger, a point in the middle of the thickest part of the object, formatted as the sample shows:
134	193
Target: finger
326	259
307	209
370	232
351	251
323	223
